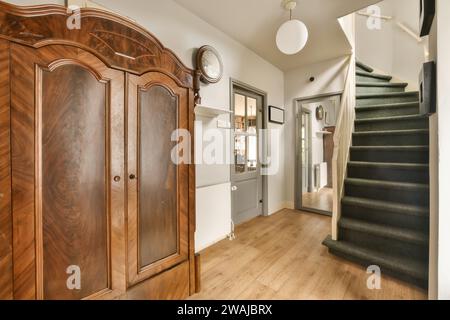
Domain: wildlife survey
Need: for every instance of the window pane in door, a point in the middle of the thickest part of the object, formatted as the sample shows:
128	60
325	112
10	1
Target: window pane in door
252	153
240	150
251	115
239	113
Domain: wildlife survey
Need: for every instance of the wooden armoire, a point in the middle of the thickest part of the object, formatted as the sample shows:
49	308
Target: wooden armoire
91	204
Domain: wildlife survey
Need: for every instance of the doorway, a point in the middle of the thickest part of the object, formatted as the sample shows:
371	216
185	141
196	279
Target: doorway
315	125
246	179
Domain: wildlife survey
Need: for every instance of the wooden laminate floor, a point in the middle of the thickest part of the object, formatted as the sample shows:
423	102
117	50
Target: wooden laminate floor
321	200
281	257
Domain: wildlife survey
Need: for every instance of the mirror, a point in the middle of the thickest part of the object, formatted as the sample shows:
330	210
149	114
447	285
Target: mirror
316	123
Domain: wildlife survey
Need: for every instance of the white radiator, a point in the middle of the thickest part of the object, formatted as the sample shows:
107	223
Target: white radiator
320	175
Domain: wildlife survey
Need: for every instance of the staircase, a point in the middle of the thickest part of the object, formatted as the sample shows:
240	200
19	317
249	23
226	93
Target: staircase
385	210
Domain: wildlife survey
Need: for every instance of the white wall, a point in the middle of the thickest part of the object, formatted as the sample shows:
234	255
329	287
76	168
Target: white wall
35	2
329	78
183	33
390	49
440	158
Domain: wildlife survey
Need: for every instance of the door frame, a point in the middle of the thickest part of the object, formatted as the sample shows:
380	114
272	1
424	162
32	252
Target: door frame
298	156
308	112
264	125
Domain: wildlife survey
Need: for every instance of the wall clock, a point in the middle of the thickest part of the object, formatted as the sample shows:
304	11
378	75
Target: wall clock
320	113
209	63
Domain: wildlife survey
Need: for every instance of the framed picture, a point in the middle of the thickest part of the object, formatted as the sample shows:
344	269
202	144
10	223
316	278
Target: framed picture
276	115
427	12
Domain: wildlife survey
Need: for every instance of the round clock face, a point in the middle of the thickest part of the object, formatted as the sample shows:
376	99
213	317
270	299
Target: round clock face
320	112
210	64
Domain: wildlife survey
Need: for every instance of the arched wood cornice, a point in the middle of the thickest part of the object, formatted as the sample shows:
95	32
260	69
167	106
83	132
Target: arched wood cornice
119	42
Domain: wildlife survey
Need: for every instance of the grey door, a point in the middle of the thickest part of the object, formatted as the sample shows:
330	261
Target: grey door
246	180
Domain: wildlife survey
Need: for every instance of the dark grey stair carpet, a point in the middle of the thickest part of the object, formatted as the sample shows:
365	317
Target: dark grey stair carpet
405	137
364	76
407	269
379	87
385	209
387	110
384	98
363	67
386	212
401	172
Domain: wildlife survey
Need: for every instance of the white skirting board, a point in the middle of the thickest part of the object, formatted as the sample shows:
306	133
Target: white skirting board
213	215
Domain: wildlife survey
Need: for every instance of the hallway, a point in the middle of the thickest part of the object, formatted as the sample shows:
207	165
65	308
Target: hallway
281	257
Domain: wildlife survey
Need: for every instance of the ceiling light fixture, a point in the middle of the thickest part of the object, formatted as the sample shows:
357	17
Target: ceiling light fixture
293	34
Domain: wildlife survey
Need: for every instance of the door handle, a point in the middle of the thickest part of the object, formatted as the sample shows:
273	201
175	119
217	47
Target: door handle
132	176
234	188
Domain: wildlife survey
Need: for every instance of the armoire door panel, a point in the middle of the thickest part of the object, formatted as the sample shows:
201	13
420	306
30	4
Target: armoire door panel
157	187
74	181
158	176
68	128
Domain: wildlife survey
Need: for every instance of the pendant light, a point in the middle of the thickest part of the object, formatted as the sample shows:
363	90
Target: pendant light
293	34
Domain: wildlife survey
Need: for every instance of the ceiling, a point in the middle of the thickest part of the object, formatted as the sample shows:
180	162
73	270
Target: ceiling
254	23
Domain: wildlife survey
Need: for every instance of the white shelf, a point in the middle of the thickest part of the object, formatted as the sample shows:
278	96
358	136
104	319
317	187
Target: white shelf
210	112
324	132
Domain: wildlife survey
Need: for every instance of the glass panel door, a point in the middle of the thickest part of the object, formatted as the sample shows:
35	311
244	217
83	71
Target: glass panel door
246	177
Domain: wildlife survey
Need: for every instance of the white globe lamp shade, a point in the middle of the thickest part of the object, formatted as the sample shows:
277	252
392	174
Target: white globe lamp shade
292	37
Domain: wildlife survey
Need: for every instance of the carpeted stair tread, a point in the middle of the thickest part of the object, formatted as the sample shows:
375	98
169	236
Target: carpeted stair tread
387	165
384	231
387	184
391	132
382	84
388	106
416	211
403	137
364	66
413	268
396	118
373	75
392	148
387	95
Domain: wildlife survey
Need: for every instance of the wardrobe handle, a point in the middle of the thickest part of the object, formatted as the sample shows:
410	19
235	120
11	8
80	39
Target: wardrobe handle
116	178
132	176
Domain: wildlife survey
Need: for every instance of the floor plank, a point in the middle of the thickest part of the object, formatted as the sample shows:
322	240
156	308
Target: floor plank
281	257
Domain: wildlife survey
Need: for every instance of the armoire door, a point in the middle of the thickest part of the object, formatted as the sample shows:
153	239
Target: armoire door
158	188
67	113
